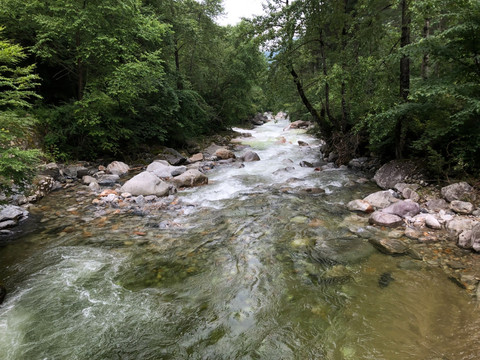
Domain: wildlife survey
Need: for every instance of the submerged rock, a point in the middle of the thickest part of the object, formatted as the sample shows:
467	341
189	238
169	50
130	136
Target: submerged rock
390	246
385	279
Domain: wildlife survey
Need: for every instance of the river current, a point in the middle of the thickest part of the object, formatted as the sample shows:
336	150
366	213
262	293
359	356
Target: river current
265	262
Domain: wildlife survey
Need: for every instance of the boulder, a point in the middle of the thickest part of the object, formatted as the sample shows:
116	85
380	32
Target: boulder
118	168
400	187
395	172
164	170
195	158
461	224
302	143
381	199
300	124
432	222
459	191
11	212
51	169
147	183
250	156
259	119
224	154
462	207
107	179
410	194
384	219
436	205
190	178
360	205
389	246
358	163
475	238
465	239
403	208
172	156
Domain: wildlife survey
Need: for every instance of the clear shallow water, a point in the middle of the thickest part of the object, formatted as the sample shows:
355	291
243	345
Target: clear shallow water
254	268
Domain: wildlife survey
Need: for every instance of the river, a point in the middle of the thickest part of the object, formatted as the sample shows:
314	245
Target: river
259	264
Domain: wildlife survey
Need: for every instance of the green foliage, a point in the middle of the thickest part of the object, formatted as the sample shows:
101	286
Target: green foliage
17	83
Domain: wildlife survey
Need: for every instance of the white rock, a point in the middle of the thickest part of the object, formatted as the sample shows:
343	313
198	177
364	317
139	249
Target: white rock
147	183
118	168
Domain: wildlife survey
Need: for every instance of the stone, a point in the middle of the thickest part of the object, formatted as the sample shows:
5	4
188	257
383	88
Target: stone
461	207
250	156
460	224
465	239
432	222
94	186
51	169
389	246
118	168
8	224
360	205
224	154
302	143
436	205
403	208
42	186
195	158
300	124
164	170
381	199
259	119
172	156
410	194
475	239
383	219
190	178
12	212
306	164
400	187
358	163
147	183
459	191
87	179
395	172
107	179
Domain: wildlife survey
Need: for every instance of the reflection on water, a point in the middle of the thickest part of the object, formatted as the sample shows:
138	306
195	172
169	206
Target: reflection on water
255	269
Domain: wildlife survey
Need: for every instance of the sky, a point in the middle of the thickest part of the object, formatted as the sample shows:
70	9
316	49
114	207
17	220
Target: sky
236	9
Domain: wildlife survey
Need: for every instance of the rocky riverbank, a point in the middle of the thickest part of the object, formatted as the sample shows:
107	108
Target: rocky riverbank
437	225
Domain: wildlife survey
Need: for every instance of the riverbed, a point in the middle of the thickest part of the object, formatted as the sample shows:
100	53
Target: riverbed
265	262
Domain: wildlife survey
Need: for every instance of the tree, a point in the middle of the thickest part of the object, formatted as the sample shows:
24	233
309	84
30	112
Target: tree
17	84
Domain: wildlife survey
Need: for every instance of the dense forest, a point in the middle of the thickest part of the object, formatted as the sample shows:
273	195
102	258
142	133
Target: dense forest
82	79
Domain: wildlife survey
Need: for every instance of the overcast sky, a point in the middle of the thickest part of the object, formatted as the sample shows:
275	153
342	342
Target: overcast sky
236	9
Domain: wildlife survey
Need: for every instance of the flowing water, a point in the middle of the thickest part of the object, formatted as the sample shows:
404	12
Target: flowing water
257	265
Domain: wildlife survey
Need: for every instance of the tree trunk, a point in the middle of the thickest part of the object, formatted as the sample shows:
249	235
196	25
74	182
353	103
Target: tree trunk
325	73
177	66
80	69
426	57
400	133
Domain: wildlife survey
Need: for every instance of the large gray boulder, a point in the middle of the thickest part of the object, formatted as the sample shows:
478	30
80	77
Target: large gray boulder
172	156
459	191
395	172
460	224
11	215
403	208
436	205
384	219
147	183
118	168
164	170
381	199
190	178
